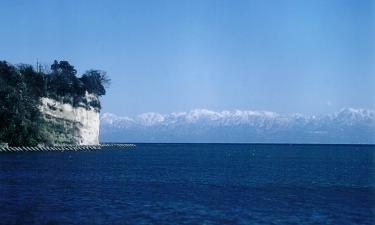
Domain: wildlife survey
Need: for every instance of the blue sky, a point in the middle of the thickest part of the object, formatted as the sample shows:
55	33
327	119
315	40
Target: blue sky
310	57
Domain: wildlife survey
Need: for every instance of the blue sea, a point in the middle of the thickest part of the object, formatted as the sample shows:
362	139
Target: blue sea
191	184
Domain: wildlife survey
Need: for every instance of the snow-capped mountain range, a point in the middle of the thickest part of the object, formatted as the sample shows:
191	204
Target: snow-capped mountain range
201	125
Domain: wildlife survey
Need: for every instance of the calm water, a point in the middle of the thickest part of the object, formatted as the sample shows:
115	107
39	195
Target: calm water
191	184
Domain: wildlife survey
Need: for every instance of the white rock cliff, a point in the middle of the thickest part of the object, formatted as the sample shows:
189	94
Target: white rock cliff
68	125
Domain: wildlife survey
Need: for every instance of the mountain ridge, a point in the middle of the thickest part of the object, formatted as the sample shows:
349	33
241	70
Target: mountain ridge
348	125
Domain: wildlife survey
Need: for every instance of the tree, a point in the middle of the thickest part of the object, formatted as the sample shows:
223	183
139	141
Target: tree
19	113
95	82
35	81
63	80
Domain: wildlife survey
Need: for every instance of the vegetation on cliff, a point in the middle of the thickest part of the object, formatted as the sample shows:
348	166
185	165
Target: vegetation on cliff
21	88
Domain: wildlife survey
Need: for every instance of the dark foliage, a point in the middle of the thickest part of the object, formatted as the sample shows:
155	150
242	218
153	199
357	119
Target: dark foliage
21	88
19	100
95	81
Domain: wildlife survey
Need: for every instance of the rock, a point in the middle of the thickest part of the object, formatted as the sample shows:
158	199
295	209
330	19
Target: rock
68	125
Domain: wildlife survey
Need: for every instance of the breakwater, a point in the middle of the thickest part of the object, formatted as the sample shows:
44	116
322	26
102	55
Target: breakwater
66	148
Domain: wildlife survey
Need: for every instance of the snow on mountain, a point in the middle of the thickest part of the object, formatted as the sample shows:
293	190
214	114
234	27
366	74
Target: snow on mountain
201	125
351	116
114	121
224	118
150	119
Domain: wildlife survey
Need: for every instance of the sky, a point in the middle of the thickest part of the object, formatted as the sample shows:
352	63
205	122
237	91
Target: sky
310	57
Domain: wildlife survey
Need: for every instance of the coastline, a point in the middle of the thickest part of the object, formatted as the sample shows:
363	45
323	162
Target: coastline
65	148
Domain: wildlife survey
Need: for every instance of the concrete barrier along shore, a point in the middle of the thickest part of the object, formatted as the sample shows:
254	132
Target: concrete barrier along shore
62	148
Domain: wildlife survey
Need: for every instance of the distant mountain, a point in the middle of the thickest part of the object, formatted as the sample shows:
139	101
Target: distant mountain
201	125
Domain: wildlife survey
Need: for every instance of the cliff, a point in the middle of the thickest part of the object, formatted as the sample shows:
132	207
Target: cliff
68	125
50	107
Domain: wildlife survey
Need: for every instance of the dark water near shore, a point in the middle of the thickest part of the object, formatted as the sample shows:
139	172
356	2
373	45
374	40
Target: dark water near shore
191	184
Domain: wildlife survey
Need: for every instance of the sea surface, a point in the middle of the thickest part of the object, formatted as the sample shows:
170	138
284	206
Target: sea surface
191	184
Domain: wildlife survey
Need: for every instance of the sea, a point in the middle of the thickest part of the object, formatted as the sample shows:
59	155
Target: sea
191	184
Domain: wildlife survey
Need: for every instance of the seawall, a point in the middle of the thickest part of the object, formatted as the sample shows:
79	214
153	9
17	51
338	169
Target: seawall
67	148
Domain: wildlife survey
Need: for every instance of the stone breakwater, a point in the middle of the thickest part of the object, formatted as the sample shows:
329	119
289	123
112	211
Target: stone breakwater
67	148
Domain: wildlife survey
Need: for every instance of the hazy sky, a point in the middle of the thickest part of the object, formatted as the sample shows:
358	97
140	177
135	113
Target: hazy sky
163	56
